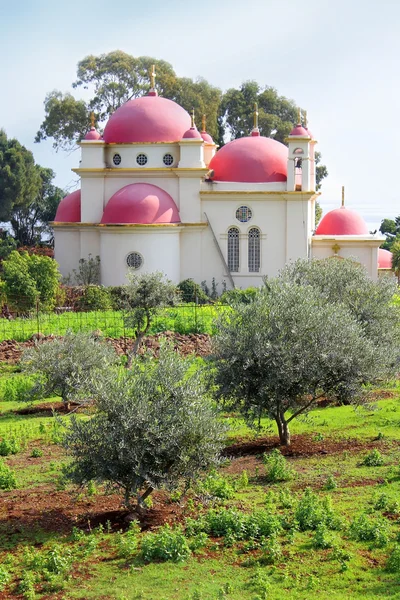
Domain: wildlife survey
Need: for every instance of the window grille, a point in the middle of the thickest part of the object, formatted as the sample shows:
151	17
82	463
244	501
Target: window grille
168	160
254	250
243	214
117	159
134	260
233	249
141	159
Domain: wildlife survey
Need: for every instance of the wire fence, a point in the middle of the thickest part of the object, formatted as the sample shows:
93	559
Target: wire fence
183	319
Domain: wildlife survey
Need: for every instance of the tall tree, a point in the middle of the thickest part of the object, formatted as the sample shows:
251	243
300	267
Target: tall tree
396	259
391	229
19	178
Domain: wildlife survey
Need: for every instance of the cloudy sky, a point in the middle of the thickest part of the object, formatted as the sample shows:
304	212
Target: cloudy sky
339	60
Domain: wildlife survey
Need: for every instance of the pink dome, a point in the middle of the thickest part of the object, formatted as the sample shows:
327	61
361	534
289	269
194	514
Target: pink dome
92	135
147	119
384	259
191	133
253	159
207	137
141	203
69	209
342	221
299	130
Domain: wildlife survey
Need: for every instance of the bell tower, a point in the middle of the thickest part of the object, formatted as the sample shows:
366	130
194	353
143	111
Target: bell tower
301	159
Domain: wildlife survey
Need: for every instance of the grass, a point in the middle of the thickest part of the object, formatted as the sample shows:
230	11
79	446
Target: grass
225	568
180	319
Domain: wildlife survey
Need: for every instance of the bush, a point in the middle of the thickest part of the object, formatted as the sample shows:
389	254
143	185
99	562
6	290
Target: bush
232	297
373	459
95	297
9	446
235	525
166	544
7	477
370	529
311	512
119	297
322	539
393	561
5	577
218	486
18	389
127	543
192	292
276	467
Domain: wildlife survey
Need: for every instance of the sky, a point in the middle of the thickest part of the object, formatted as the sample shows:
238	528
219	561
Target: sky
338	60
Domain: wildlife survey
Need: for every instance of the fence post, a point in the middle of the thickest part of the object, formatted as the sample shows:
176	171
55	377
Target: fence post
37	317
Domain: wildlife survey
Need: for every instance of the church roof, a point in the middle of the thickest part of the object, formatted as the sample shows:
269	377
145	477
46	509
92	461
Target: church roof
253	159
342	221
384	259
147	119
141	203
69	209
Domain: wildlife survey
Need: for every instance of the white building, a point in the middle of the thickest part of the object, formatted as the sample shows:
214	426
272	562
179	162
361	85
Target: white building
157	196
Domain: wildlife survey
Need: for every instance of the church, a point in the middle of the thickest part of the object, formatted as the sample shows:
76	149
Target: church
156	194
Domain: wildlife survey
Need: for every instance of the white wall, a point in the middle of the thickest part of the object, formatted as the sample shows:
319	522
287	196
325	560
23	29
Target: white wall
154	153
158	247
67	249
363	252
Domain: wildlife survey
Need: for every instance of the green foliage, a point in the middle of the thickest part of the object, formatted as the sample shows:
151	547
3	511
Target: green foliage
88	272
118	296
167	544
127	543
311	511
5	577
7	245
330	483
28	279
322	539
154	425
235	524
393	561
36	453
218	486
271	551
18	389
69	366
95	297
373	459
276	467
7	477
9	445
373	529
237	296
192	292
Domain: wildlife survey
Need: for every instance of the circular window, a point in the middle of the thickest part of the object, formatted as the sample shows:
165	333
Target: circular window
168	160
141	159
134	260
117	159
244	214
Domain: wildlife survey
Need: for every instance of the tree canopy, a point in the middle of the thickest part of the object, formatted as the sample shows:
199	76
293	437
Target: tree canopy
391	229
116	77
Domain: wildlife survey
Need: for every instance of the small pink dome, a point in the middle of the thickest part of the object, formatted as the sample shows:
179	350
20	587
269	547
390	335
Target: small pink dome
191	133
92	135
69	209
141	203
384	259
342	221
207	137
300	131
147	119
253	159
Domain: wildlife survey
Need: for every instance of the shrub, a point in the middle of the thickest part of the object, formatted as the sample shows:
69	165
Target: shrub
322	539
236	296
36	453
311	512
218	486
373	459
5	577
128	542
19	388
370	529
271	551
276	467
118	296
192	292
166	544
393	561
88	272
95	297
9	446
236	525
7	477
330	483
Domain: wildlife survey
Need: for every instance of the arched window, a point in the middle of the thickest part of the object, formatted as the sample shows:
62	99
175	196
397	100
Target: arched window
254	250
233	249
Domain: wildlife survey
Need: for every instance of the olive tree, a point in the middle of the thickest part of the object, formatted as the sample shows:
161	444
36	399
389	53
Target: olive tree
153	426
279	354
145	295
68	366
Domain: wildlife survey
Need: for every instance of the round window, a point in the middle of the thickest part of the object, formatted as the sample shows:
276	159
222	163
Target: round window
141	159
117	159
168	160
244	214
134	260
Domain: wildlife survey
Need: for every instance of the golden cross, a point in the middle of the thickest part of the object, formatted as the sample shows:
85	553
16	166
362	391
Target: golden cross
299	116
336	248
92	119
153	77
192	117
256	116
342	195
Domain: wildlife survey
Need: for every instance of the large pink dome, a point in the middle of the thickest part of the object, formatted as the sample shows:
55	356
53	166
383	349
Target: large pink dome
141	203
147	119
384	259
253	159
342	221
69	209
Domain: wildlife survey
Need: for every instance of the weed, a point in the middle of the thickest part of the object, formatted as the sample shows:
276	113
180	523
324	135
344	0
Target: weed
310	512
276	467
27	586
127	543
166	544
271	551
9	446
7	477
260	583
319	437
373	459
330	483
285	499
393	561
198	541
91	488
367	529
218	486
36	453
322	539
243	480
5	577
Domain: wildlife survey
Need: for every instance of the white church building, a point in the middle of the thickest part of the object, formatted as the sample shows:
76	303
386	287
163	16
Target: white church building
157	195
